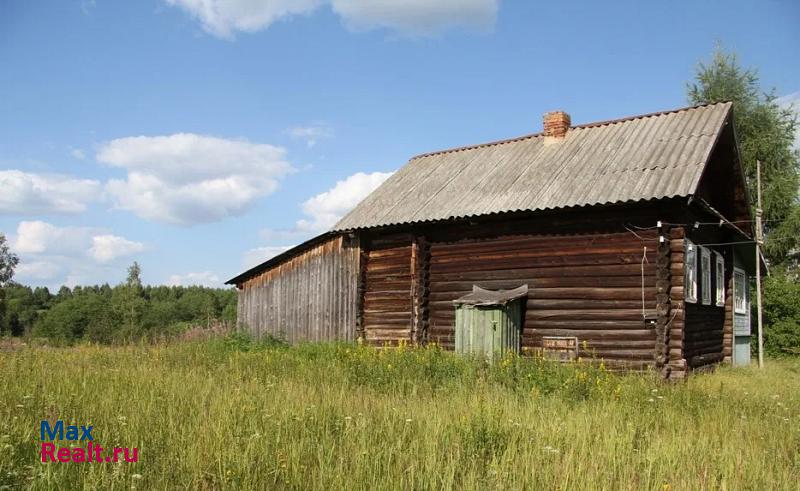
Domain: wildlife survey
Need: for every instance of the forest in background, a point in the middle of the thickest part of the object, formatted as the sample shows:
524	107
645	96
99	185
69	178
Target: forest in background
105	314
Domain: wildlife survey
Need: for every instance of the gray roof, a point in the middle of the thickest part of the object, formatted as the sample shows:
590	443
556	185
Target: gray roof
653	156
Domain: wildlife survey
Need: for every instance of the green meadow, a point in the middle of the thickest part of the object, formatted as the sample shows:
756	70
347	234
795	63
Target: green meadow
230	414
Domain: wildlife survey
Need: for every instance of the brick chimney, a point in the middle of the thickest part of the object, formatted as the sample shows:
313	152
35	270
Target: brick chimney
556	124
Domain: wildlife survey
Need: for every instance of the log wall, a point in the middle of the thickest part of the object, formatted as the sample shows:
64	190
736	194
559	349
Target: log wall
704	325
388	293
310	297
585	285
677	365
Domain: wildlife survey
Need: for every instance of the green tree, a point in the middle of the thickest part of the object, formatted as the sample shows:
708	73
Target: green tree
766	132
78	317
128	302
8	261
781	315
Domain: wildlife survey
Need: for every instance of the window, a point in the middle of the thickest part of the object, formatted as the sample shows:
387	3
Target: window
739	291
690	273
719	280
705	275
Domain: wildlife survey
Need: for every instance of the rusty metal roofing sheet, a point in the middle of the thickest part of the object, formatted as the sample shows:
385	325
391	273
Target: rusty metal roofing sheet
645	157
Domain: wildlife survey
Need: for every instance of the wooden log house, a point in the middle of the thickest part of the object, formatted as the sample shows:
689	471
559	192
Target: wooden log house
633	237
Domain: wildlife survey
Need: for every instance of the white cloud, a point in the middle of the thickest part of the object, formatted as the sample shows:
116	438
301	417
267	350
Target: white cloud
202	278
322	211
24	193
186	179
223	18
79	254
311	134
38	270
37	237
792	101
108	247
256	256
327	208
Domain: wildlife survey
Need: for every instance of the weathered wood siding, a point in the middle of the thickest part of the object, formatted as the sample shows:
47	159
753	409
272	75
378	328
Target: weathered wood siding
310	297
388	293
586	285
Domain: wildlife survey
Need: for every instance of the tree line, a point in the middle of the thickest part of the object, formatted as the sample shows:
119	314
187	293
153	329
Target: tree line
104	314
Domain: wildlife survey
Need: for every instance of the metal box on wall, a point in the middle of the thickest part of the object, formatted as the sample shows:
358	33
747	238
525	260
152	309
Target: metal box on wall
488	323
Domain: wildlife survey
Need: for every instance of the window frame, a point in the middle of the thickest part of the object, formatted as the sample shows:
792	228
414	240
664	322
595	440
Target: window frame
705	276
690	289
719	279
743	274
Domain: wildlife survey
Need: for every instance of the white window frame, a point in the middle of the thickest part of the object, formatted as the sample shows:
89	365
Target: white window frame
740	273
719	279
690	272
705	276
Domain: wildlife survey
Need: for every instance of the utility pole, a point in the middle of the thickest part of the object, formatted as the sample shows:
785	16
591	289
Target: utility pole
758	266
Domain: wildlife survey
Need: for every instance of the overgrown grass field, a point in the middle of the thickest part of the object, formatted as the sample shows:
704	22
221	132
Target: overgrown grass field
229	414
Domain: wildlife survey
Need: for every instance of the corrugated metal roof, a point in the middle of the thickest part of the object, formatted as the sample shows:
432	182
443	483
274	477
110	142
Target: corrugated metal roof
644	157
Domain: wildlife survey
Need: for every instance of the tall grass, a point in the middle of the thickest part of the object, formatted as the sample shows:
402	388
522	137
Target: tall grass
230	414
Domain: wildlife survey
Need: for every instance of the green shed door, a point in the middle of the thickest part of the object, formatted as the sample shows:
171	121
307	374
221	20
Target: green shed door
487	331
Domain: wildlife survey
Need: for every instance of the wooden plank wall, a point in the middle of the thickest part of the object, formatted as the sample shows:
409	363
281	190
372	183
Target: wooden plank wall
311	297
388	294
586	285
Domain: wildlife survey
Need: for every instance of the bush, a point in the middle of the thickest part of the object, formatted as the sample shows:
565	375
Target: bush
781	315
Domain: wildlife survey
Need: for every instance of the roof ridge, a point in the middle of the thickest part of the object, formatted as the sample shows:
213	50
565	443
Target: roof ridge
580	126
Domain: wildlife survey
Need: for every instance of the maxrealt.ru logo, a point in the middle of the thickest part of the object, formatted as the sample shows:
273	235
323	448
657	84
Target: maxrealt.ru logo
91	452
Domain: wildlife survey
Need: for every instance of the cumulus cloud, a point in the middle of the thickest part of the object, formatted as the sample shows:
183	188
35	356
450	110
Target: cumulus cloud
256	256
311	134
201	278
327	208
108	247
37	237
39	270
792	101
186	179
25	193
47	251
322	212
223	18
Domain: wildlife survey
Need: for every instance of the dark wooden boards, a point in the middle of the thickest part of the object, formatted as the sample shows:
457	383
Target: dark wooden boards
388	294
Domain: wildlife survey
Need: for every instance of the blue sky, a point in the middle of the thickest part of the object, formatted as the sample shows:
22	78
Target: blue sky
200	136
